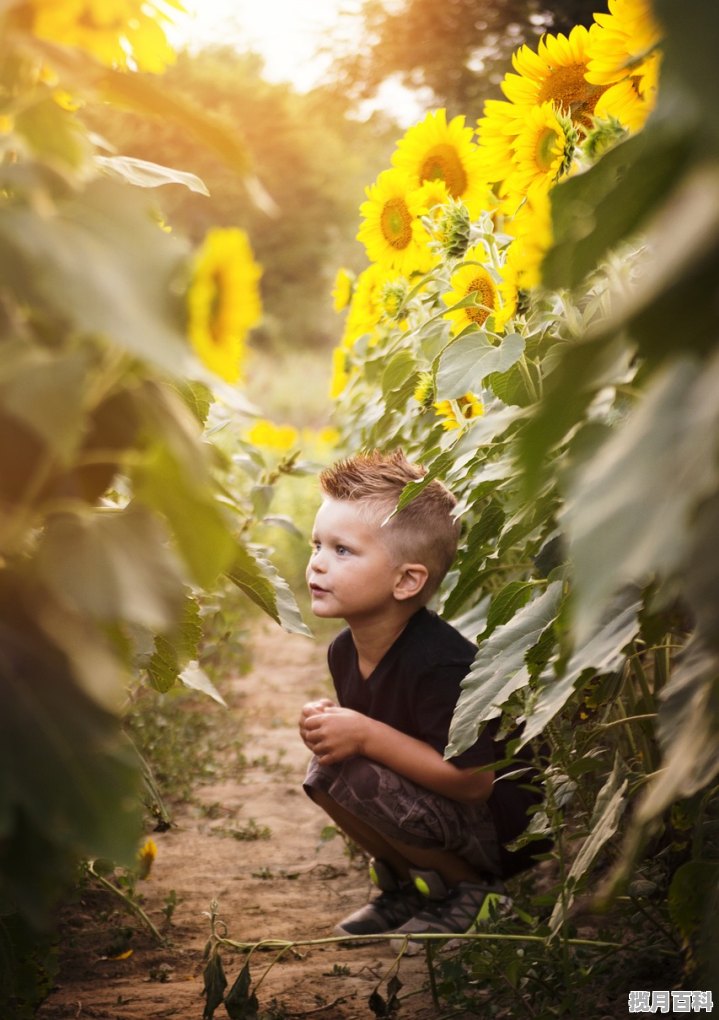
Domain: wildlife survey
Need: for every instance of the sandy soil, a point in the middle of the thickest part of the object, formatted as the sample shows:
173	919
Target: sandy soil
287	885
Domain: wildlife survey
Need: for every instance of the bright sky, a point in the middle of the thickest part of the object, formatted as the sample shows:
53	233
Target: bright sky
287	33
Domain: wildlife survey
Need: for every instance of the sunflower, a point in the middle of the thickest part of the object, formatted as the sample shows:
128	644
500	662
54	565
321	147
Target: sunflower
455	413
146	858
624	57
223	300
556	73
365	308
469	279
434	150
497	130
342	289
392	231
342	370
124	33
532	231
543	150
272	436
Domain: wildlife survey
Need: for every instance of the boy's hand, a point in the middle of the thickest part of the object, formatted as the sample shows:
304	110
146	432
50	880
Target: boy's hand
334	733
310	709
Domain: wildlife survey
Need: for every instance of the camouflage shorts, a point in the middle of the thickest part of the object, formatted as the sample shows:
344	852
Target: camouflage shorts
403	811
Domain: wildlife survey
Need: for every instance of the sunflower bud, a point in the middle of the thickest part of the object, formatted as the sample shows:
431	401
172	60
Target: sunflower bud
604	135
424	390
393	296
453	229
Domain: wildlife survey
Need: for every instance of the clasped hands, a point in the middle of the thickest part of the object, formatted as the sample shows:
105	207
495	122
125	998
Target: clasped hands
332	733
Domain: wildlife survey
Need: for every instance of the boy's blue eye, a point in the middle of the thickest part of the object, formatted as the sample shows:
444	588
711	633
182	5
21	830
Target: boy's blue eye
342	549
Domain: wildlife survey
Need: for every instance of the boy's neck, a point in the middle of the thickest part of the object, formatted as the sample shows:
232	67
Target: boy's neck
373	638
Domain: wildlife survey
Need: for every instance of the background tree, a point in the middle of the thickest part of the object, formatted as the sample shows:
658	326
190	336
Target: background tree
458	50
310	158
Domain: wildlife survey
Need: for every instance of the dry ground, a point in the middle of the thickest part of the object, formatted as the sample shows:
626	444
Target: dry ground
287	884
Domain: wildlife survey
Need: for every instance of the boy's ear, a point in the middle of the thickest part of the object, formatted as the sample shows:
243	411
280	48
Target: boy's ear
411	580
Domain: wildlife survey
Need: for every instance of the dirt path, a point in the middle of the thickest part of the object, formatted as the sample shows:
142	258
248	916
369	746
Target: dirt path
285	884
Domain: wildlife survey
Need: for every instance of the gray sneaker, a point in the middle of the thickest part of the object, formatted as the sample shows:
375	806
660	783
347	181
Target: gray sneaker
457	912
396	904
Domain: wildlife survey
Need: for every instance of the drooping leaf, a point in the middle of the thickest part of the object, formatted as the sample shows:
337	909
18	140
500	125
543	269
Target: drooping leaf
258	578
467	361
608	810
688	731
600	652
215	983
194	677
629	512
144	174
498	668
240	1002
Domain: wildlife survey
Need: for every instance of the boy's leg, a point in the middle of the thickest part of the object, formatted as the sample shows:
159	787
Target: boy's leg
402	857
438	843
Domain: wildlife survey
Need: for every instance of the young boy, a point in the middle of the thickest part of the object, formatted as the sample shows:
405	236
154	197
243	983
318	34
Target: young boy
434	829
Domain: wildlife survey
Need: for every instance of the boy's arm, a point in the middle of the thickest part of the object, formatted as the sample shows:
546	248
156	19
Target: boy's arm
337	733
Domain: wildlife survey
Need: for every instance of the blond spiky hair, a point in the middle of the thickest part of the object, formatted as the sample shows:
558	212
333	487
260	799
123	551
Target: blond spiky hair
425	531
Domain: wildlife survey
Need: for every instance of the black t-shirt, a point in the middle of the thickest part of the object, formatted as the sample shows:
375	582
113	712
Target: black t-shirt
414	689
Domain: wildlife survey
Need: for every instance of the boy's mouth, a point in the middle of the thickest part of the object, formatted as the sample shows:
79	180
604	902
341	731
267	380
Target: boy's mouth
317	590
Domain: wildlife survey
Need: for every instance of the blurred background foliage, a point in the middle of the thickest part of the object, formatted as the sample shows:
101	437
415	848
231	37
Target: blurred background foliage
127	467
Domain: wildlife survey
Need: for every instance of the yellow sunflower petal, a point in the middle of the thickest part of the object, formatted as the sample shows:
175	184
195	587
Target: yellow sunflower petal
391	230
124	34
223	300
471	279
435	150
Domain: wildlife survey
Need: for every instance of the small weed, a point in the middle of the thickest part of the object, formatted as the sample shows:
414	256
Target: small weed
338	970
248	833
170	904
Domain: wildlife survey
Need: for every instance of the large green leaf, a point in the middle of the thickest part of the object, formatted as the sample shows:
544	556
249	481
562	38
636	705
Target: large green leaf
111	566
100	265
476	549
582	370
498	668
593	211
46	392
690	50
688	731
629	512
198	522
174	650
608	810
467	361
64	770
253	573
600	652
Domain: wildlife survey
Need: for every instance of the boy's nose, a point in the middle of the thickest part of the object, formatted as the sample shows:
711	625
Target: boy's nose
316	561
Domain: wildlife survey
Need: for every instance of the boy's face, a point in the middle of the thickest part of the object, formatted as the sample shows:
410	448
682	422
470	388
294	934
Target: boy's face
351	573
